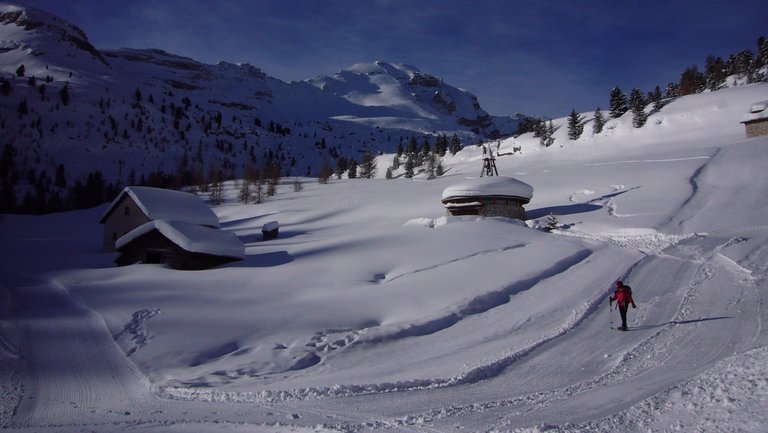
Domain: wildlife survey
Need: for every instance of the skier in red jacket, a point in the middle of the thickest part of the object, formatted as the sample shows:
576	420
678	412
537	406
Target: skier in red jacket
623	298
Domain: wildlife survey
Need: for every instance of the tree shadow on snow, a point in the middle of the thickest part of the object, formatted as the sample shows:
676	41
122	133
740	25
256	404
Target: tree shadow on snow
576	208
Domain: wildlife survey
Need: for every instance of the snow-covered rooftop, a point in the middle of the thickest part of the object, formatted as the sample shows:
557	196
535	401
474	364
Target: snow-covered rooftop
190	237
757	111
166	204
491	186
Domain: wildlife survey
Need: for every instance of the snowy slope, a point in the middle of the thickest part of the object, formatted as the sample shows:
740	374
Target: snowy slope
373	311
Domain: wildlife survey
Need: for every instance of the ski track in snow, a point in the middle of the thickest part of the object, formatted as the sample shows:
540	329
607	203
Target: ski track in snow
648	355
11	384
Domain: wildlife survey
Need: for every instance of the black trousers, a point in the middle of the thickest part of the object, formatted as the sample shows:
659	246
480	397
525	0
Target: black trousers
623	311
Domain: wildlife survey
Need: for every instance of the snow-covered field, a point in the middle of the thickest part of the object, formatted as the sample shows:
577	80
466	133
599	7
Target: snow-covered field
373	311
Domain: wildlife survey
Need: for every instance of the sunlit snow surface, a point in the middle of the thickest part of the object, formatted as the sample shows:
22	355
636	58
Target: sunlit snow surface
374	311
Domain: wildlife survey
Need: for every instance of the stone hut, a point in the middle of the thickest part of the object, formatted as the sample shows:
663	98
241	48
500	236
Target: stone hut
756	121
488	196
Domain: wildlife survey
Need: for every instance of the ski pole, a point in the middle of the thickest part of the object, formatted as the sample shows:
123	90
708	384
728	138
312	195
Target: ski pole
610	305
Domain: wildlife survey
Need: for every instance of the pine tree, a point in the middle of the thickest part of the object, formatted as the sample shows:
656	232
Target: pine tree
244	191
7	197
325	172
656	98
637	103
352	172
8	159
439	170
691	81
413	146
538	128
20	71
599	122
23	109
426	147
575	125
217	192
547	137
455	144
342	164
761	57
618	103
431	166
409	167
61	178
441	144
673	90
550	133
552	223
368	166
64	94
714	72
5	87
761	60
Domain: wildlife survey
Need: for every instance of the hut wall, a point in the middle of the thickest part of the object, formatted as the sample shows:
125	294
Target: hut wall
757	128
125	217
503	210
490	207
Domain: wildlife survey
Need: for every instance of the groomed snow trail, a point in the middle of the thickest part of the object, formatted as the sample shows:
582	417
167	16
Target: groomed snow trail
71	362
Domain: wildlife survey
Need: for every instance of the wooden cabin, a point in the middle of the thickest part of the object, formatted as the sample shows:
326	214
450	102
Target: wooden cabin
491	196
137	205
154	225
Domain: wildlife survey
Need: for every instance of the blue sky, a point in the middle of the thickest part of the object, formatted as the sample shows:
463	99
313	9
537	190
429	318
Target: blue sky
534	57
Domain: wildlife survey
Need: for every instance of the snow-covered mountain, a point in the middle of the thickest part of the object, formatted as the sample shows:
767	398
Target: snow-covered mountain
130	112
401	96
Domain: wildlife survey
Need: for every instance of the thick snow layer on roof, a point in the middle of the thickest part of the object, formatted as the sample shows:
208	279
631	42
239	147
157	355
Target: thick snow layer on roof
491	186
272	225
190	237
167	204
758	110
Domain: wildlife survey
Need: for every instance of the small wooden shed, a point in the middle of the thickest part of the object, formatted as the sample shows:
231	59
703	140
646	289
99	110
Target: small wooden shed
488	196
756	121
